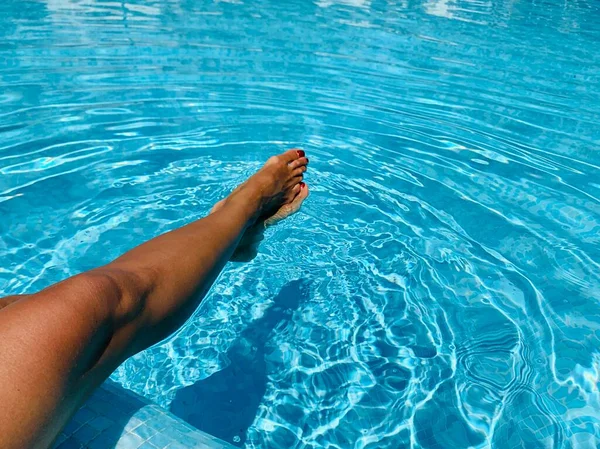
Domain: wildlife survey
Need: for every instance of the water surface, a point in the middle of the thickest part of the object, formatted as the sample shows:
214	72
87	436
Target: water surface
439	289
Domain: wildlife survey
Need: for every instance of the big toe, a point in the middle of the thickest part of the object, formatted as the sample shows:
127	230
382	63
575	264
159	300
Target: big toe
290	208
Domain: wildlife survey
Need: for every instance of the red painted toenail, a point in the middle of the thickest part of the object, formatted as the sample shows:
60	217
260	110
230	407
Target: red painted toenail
300	153
302	185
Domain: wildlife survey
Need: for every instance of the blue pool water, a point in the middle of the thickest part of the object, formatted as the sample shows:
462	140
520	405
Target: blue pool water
441	286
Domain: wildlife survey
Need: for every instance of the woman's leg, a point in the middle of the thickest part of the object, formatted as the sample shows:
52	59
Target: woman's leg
56	346
247	247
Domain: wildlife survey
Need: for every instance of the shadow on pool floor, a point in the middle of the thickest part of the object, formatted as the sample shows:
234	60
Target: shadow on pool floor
225	404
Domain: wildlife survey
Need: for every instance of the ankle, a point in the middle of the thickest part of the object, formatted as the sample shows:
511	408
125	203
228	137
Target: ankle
246	201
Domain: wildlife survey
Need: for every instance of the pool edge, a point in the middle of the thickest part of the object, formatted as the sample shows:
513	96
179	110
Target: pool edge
117	418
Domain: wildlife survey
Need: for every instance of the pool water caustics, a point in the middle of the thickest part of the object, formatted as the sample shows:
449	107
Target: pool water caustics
440	288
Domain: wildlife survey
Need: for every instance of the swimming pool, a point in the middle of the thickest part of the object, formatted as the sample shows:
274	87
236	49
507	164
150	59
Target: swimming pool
439	289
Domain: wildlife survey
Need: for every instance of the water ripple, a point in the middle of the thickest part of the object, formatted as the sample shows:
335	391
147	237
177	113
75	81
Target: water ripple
439	289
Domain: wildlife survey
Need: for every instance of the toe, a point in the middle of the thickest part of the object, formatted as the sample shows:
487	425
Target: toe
293	182
292	155
302	195
301	162
299	171
292	193
296	189
290	208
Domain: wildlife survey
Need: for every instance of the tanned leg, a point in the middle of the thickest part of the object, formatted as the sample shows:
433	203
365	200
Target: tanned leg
57	345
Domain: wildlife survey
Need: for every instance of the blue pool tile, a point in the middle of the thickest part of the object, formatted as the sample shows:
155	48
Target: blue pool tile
149	427
129	406
145	414
182	438
157	423
86	433
71	427
145	431
132	424
70	444
61	438
185	428
160	440
130	441
106	408
100	443
101	423
182	446
101	407
85	415
170	432
148	445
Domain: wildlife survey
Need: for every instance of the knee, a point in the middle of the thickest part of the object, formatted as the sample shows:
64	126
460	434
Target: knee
7	300
122	292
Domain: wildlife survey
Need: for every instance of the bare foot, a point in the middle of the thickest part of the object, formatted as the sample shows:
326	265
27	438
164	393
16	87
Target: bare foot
288	209
276	208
